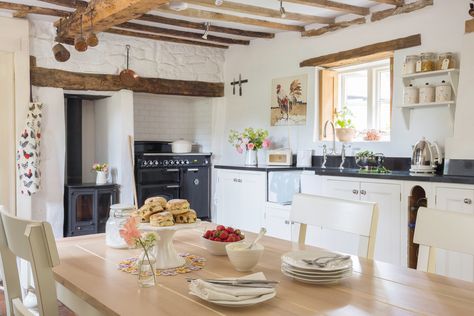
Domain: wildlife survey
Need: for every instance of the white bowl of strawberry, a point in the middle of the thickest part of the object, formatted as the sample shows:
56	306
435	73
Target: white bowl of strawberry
216	240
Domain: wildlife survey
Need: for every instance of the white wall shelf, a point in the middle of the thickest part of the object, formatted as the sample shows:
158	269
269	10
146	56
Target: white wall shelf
450	76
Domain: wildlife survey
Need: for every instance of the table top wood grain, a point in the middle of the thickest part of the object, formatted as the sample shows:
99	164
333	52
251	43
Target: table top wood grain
89	269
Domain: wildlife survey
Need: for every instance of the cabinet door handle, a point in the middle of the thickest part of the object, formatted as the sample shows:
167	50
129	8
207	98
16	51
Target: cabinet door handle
355	191
468	201
193	170
237	180
172	170
363	192
172	186
287	222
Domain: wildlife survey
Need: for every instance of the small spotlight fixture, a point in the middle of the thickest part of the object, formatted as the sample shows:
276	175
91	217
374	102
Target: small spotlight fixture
206	32
282	10
219	2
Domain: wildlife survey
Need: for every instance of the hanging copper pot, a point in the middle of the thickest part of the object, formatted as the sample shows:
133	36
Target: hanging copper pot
92	39
60	52
127	76
80	42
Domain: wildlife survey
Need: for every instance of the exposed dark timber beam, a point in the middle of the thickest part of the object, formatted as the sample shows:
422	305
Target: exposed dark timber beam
170	32
106	14
216	16
396	44
44	77
333	27
261	11
23	10
332	5
407	8
392	2
164	38
201	26
68	3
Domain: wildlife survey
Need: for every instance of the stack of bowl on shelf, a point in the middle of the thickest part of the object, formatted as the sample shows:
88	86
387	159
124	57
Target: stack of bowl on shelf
430	92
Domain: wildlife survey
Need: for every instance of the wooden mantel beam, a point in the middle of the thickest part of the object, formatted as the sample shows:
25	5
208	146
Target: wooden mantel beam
106	14
44	77
388	46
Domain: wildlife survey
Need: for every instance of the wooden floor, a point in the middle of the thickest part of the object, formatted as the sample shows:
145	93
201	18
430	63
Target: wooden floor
63	310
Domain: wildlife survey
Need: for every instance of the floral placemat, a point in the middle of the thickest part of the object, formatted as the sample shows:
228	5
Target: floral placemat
193	263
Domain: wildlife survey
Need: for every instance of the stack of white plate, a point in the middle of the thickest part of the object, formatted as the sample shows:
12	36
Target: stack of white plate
293	266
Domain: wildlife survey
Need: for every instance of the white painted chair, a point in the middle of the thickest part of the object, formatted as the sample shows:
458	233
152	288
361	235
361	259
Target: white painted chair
443	229
34	242
356	217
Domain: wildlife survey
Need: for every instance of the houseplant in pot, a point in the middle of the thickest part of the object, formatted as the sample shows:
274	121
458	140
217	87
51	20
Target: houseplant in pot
345	131
250	140
102	172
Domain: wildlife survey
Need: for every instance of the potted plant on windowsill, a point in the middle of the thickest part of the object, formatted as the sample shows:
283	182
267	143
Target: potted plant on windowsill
345	131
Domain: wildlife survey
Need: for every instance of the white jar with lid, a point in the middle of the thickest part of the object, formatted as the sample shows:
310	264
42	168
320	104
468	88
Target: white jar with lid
119	213
410	95
443	92
427	93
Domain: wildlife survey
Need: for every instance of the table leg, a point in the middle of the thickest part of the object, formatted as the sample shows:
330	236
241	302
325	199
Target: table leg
164	251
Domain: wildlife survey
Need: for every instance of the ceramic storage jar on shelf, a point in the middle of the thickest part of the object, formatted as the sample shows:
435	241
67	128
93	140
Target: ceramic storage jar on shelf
410	64
443	92
410	95
428	62
427	93
446	61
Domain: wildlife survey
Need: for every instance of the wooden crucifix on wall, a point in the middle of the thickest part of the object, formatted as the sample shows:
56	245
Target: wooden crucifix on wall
239	83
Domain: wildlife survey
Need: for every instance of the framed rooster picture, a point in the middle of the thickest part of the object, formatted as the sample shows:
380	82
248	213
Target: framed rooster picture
289	101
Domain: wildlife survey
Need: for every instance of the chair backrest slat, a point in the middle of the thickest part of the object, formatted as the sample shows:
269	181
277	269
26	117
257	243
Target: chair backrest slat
356	217
443	229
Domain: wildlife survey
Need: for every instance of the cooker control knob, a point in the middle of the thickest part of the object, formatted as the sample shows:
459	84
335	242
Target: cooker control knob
165	162
186	162
176	162
181	162
171	162
156	162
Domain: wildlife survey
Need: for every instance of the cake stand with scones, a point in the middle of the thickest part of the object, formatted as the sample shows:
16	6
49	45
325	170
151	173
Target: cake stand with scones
164	251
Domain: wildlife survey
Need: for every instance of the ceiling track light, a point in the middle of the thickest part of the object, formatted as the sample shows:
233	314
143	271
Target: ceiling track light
282	10
206	32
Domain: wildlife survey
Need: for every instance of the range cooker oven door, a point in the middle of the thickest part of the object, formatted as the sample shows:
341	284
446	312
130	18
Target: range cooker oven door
158	176
168	191
195	187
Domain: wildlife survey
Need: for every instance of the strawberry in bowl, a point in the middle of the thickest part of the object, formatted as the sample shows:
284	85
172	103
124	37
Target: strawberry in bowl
215	240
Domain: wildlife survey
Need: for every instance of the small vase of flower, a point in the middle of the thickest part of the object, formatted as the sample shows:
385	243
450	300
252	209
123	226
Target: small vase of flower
146	263
250	141
101	172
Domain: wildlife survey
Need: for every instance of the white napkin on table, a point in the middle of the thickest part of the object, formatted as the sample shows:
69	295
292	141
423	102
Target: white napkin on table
216	292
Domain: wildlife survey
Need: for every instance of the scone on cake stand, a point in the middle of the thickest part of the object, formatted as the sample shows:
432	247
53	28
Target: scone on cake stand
162	225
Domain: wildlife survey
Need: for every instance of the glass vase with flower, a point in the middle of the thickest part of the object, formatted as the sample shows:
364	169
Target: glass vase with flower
146	262
250	141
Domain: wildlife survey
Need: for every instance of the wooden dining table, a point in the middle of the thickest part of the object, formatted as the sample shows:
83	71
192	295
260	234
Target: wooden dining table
89	272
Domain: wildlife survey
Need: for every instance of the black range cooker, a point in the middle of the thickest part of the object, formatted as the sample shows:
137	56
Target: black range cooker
158	172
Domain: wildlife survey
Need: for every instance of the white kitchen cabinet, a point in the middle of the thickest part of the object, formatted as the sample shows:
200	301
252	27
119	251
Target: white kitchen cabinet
277	220
240	199
388	198
452	264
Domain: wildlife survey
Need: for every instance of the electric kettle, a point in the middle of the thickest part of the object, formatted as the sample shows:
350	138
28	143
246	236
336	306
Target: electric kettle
426	157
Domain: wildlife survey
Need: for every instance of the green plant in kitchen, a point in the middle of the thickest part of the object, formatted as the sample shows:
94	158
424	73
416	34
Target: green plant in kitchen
344	118
249	139
345	130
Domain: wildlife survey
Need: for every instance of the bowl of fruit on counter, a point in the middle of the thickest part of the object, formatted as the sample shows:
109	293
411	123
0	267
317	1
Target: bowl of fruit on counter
215	240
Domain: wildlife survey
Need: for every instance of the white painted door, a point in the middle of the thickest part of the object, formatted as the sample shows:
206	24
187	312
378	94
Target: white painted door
342	189
251	201
277	221
450	263
227	197
388	198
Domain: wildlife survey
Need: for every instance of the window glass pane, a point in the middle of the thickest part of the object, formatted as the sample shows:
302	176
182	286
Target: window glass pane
383	100
354	96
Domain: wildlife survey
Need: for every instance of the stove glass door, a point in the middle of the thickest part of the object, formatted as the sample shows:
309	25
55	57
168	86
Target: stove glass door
168	191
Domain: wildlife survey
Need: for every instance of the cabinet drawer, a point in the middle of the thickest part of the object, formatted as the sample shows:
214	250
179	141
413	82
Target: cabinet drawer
455	199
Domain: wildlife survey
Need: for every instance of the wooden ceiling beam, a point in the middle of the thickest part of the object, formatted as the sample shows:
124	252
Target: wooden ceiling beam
171	32
388	46
333	27
106	14
392	2
21	10
201	26
163	38
332	5
261	11
214	16
44	77
68	3
407	8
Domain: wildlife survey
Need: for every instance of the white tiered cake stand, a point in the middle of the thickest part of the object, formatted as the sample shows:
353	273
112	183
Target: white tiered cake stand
164	251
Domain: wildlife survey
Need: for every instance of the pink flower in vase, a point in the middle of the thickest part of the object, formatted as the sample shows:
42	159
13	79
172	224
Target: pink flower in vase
250	146
239	149
266	143
245	141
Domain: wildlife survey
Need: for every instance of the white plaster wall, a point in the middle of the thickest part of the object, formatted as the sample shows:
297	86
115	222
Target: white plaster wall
441	28
114	125
169	118
147	57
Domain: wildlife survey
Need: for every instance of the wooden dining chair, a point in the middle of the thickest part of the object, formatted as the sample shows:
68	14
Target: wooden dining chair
34	242
355	217
443	229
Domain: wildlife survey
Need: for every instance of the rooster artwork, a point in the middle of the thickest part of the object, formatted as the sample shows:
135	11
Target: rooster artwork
289	101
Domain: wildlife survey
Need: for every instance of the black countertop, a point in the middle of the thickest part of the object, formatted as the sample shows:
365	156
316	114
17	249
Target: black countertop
351	172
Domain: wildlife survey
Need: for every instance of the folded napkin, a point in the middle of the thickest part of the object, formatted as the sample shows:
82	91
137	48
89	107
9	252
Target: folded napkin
216	292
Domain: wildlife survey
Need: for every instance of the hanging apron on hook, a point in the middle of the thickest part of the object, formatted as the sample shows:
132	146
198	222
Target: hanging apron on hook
28	153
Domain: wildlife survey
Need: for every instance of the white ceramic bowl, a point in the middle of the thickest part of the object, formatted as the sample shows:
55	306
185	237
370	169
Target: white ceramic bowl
216	247
244	259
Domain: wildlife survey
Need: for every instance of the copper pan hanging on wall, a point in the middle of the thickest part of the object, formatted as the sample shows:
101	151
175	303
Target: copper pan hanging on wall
127	76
